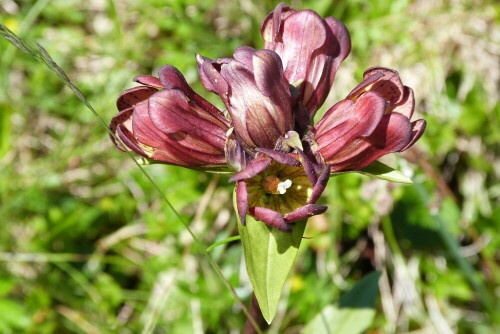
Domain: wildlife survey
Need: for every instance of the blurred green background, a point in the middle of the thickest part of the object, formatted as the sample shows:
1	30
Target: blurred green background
88	246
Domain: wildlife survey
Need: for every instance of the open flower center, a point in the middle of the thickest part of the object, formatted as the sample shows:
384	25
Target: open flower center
281	188
274	185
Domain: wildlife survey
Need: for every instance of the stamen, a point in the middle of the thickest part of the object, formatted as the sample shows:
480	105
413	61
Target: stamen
283	186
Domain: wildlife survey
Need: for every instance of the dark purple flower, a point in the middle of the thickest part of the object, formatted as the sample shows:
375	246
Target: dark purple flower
311	49
372	121
281	163
166	121
255	93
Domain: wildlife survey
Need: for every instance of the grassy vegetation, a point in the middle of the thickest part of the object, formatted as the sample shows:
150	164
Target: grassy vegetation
89	246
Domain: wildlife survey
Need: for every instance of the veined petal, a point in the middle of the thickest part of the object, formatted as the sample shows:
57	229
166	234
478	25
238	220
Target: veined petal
311	49
417	130
303	33
357	120
168	122
133	96
324	66
210	77
384	81
255	93
145	131
171	78
372	121
129	140
392	135
268	74
171	111
407	103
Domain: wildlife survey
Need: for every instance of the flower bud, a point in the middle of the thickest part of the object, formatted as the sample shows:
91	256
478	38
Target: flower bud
168	122
373	120
311	49
255	93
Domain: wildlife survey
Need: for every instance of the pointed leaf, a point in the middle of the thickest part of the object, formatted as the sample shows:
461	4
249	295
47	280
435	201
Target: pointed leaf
354	312
269	256
384	172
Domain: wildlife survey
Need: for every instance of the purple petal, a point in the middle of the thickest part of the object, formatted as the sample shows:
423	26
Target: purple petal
344	40
311	50
268	73
244	54
236	156
145	131
325	63
123	118
259	120
361	87
305	212
272	28
279	157
255	167
148	81
128	139
389	86
392	135
133	96
336	115
407	103
270	217
303	33
320	186
211	78
418	128
242	201
170	112
308	166
171	79
341	126
277	20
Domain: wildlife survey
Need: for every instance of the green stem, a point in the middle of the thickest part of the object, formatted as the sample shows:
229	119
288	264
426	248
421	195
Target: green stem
389	235
222	242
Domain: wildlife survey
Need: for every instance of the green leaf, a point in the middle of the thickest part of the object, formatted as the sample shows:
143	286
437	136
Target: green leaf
384	172
13	316
269	256
354	312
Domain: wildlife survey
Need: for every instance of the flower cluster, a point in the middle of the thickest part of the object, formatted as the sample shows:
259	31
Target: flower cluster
281	163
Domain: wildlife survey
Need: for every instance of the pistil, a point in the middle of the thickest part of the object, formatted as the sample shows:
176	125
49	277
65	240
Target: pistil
274	185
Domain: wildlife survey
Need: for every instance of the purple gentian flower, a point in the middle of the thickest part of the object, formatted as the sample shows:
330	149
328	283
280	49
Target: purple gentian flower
281	163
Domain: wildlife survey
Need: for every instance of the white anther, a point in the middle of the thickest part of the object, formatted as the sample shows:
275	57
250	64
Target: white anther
283	186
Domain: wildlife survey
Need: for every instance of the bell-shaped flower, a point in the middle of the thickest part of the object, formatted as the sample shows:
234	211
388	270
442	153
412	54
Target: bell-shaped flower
255	92
280	189
166	121
311	49
373	120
